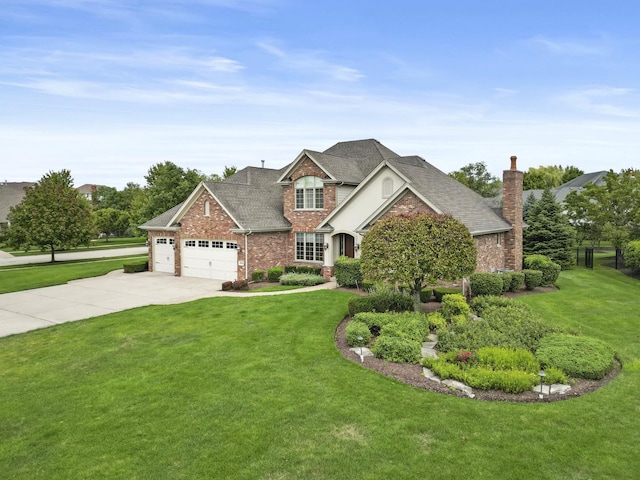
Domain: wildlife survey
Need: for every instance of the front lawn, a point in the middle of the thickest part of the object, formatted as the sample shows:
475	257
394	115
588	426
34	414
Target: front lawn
254	387
24	277
96	244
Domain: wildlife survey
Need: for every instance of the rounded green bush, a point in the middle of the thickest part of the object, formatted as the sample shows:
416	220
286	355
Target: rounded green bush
347	271
506	281
579	357
632	255
517	281
436	321
550	270
274	274
532	279
440	292
425	294
483	283
397	349
454	304
357	329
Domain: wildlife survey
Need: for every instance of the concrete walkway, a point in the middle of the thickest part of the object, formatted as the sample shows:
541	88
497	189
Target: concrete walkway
80	299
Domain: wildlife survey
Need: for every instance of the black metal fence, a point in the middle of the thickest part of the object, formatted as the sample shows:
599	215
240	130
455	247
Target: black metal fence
584	256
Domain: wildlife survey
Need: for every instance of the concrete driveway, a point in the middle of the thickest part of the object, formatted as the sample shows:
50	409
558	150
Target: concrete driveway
80	299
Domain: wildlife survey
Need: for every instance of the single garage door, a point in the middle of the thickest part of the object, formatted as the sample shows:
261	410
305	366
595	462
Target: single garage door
210	259
163	255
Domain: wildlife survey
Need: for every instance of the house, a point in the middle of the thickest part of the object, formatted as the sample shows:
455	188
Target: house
560	193
11	194
318	208
87	190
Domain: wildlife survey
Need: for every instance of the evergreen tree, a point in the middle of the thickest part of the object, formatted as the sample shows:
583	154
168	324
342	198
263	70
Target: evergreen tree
528	205
549	232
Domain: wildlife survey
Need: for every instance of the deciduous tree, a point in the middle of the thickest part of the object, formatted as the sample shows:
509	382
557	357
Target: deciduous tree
477	178
52	215
415	250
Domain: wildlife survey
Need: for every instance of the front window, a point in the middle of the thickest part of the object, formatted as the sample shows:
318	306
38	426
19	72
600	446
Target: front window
310	247
309	193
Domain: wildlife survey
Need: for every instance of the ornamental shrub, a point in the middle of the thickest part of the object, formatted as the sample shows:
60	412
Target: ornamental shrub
506	281
580	357
440	292
499	358
240	285
517	281
305	279
482	302
290	269
454	304
347	271
397	349
550	270
436	321
257	275
135	267
411	325
483	283
367	285
425	294
227	286
532	279
632	255
357	329
360	304
274	274
374	321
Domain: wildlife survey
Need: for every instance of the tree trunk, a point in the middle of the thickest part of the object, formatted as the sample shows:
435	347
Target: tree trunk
53	254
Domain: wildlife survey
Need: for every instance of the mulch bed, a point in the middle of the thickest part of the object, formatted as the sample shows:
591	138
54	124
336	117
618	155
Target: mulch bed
412	374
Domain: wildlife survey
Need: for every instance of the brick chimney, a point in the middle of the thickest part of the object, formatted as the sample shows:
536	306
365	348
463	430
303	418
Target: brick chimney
512	181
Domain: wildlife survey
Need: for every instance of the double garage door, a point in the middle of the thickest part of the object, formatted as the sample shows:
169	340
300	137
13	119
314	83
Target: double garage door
210	259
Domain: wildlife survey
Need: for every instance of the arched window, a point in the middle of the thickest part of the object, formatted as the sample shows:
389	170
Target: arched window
387	187
207	208
309	193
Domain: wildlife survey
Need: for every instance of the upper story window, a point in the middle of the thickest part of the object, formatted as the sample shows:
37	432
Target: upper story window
309	193
387	187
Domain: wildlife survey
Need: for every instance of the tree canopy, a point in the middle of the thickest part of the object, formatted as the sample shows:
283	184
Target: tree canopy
168	185
52	215
477	178
549	232
551	176
610	211
416	250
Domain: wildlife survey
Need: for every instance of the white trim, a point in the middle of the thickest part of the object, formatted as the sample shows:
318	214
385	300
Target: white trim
284	178
191	200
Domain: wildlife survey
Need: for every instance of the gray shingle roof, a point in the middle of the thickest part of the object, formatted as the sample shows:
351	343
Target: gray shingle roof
450	196
11	194
253	198
162	220
560	193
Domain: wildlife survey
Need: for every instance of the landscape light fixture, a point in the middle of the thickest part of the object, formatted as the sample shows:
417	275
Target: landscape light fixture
360	342
541	375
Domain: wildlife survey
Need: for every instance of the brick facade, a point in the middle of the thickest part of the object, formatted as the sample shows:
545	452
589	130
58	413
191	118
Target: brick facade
266	250
512	205
408	204
491	252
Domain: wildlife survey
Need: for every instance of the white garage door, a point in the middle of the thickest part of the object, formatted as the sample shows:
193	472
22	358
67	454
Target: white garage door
210	259
163	255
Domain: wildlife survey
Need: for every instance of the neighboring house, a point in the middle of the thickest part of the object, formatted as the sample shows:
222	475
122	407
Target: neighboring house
560	193
87	190
11	194
318	208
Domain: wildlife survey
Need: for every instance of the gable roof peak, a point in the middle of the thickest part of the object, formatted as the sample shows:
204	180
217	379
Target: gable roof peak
368	148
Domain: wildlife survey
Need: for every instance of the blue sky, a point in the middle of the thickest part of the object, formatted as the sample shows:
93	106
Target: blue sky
107	88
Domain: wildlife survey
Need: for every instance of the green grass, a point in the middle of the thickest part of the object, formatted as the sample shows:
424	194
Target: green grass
254	388
97	244
276	288
25	277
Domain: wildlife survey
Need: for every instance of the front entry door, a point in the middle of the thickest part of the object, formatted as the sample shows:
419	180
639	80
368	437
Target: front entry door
347	245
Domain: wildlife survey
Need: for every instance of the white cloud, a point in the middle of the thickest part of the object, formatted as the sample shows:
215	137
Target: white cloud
569	47
602	101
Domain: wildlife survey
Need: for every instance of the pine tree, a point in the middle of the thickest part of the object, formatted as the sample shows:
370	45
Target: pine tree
549	232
